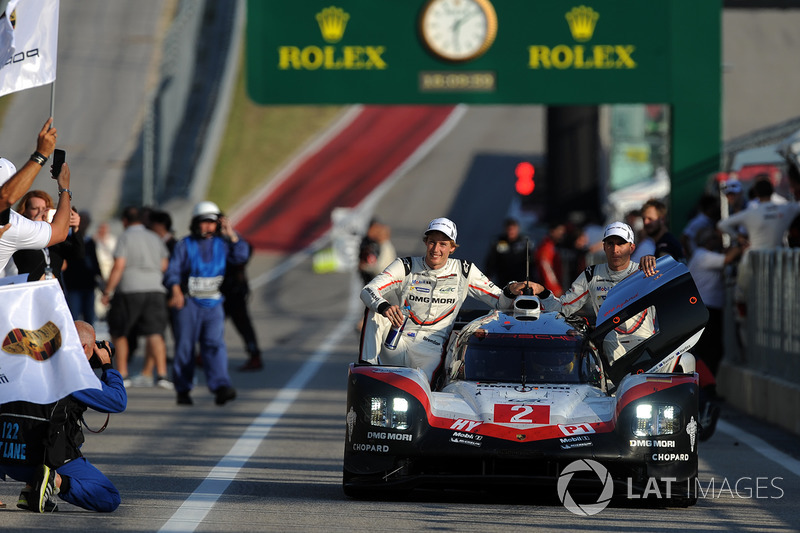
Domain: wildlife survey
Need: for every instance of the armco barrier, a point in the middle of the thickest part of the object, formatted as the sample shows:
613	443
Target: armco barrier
761	373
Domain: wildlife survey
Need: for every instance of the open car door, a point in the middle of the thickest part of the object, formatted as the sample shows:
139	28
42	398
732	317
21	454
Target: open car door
680	316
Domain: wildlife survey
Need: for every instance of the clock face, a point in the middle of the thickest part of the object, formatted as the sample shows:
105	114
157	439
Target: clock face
458	30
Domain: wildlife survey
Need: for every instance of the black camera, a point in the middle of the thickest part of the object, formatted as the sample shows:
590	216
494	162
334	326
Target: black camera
108	346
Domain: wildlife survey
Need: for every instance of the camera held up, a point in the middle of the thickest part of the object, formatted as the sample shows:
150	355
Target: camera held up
103	345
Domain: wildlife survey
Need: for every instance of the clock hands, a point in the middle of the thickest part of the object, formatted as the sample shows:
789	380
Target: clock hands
455	29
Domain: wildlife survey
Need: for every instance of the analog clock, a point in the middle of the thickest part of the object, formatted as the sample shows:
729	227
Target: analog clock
458	30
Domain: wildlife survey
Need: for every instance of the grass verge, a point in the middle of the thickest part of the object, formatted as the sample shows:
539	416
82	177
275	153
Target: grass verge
257	142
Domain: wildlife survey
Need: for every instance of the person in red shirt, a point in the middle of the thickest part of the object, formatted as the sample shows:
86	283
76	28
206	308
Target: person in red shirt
548	260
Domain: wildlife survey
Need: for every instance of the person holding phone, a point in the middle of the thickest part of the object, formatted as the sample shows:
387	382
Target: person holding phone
16	231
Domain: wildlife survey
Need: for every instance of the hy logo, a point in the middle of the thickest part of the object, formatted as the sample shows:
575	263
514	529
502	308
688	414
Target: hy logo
332	22
582	20
585	465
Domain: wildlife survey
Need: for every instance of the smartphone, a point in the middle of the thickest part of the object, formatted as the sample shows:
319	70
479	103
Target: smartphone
58	159
5	214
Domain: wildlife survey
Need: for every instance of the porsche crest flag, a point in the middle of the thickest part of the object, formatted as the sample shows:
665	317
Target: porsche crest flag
28	44
41	357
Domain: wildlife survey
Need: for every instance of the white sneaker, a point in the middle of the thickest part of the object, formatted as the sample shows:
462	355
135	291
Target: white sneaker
142	381
164	383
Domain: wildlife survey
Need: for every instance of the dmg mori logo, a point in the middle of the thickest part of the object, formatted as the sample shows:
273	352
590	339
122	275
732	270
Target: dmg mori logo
582	21
332	23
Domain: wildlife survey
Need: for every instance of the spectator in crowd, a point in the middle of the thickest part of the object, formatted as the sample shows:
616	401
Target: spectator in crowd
66	472
376	251
508	257
644	244
161	223
734	196
49	262
193	279
17	232
236	292
82	276
432	288
104	243
706	217
135	282
654	218
706	266
775	198
548	259
765	225
592	286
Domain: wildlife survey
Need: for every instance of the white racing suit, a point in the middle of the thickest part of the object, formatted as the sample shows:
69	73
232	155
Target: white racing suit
434	298
592	287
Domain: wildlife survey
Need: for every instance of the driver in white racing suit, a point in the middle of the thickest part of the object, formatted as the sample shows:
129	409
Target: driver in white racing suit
431	289
593	284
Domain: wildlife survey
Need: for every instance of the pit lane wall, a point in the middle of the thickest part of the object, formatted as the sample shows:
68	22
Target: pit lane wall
760	373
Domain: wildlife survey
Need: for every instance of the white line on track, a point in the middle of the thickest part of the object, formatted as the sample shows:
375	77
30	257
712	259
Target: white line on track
761	447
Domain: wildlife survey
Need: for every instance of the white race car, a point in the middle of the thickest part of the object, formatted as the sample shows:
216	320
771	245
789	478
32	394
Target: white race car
527	394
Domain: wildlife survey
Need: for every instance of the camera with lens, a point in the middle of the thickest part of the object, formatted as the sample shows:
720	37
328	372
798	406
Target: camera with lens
108	346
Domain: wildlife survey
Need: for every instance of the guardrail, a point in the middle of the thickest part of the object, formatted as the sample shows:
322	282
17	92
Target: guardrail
772	327
760	373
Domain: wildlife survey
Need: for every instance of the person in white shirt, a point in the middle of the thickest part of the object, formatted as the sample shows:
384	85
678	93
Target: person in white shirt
765	225
16	231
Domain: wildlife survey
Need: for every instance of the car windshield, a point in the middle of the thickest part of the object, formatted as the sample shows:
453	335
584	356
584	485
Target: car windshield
515	358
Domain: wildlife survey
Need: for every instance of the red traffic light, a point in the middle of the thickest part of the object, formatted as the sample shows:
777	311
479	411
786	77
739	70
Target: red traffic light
525	183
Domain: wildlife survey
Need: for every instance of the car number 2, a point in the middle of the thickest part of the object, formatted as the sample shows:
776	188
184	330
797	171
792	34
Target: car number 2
522	414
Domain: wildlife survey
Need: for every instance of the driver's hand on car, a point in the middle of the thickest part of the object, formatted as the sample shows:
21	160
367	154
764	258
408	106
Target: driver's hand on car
648	265
518	287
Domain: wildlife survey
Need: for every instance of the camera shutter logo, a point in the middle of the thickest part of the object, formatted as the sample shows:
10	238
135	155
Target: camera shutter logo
585	465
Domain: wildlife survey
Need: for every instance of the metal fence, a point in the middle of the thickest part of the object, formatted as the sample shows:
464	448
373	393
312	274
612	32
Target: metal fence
771	331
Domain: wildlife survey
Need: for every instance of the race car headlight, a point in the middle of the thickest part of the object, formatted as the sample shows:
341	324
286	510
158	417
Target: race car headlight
400	413
389	413
652	420
377	412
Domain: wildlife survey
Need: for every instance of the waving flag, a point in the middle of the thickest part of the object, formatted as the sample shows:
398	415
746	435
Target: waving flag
31	47
41	357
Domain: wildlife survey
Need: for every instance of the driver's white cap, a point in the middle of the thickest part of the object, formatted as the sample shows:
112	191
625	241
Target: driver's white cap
445	225
620	229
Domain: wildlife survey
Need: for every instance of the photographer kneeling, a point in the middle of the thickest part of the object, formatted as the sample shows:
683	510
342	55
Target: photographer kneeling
65	471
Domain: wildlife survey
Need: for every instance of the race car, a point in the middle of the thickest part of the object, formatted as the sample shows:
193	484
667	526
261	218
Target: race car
527	397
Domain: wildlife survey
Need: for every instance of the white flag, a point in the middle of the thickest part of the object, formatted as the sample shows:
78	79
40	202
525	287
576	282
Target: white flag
34	48
6	30
41	357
